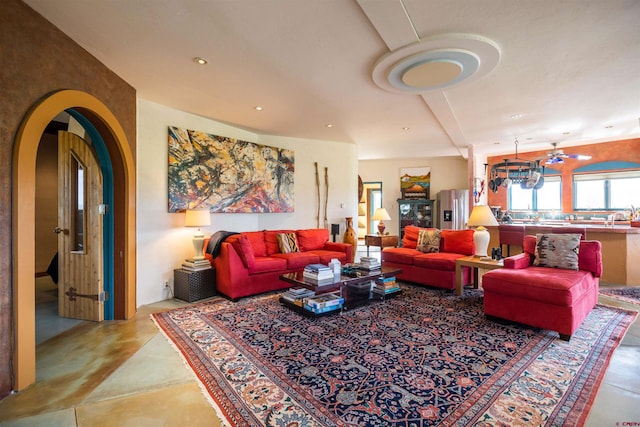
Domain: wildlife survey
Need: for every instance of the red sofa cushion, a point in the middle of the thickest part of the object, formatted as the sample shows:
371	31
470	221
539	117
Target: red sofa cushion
267	264
552	286
401	255
311	239
298	260
457	241
325	256
410	237
437	261
256	238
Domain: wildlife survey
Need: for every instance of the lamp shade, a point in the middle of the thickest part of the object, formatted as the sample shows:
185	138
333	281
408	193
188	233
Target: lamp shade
481	216
381	214
197	218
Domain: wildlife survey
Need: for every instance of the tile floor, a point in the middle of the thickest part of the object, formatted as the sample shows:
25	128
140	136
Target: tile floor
125	373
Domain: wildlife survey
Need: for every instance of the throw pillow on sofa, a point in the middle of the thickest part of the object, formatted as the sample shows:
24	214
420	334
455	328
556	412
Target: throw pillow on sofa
457	241
557	251
312	239
288	243
410	237
428	240
242	245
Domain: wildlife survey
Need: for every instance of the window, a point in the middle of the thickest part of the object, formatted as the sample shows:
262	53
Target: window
549	197
606	191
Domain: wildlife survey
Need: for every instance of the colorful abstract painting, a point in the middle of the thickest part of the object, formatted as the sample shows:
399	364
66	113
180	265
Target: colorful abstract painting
228	175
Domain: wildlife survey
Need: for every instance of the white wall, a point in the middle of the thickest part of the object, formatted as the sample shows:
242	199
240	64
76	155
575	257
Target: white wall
447	173
162	240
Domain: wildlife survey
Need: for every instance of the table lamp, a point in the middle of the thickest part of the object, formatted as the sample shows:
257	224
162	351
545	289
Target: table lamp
381	214
198	218
481	216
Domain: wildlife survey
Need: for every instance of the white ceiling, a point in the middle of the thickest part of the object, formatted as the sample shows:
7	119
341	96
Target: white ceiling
564	66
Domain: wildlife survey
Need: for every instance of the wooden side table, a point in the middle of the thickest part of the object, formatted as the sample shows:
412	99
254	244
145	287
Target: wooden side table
194	285
475	262
380	241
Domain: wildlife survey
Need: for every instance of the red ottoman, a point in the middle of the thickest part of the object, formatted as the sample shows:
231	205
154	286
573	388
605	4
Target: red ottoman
549	298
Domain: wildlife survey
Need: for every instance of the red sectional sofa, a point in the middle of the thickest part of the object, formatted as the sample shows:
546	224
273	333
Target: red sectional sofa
432	269
549	298
250	263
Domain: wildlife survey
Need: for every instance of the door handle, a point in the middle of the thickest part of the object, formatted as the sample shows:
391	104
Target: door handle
59	230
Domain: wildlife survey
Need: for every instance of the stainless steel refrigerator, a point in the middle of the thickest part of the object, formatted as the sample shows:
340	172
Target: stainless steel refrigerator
453	209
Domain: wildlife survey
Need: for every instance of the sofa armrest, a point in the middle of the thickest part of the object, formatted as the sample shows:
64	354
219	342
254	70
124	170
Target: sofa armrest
519	261
339	247
590	257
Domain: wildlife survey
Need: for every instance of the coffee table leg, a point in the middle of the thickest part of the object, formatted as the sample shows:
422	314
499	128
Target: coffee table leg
458	279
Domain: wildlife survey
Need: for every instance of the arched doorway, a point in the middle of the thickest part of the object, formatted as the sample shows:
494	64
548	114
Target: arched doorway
23	240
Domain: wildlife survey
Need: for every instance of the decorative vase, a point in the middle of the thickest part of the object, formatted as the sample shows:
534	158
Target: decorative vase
351	238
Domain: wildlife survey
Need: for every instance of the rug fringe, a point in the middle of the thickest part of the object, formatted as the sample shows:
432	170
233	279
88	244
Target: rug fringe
223	419
618	298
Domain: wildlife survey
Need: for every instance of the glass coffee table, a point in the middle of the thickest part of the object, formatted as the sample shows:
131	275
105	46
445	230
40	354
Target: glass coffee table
355	289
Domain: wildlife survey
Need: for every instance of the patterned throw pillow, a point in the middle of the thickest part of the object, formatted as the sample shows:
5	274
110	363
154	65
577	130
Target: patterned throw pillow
557	251
288	243
429	240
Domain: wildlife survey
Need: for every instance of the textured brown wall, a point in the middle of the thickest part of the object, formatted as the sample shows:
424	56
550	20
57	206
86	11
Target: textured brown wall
37	59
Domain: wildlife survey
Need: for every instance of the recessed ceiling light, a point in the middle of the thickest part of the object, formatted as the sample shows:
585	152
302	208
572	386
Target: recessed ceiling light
496	143
529	139
608	127
516	116
257	107
200	60
329	125
406	128
566	133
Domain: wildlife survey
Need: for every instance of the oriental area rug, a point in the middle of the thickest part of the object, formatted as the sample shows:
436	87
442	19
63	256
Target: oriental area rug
629	294
425	358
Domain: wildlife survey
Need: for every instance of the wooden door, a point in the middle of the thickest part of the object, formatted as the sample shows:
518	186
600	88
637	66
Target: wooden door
80	263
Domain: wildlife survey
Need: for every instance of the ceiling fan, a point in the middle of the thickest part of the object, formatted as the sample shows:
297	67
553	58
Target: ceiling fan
557	156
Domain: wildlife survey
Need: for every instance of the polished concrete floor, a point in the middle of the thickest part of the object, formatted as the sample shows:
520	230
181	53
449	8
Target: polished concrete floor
125	373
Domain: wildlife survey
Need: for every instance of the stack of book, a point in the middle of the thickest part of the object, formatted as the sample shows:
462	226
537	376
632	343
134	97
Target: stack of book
196	264
386	286
369	263
318	274
324	303
297	296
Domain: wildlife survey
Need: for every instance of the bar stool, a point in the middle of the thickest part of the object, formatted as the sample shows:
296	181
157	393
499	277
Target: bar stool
510	235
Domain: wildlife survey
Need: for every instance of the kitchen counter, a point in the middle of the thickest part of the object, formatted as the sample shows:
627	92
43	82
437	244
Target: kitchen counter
620	246
618	227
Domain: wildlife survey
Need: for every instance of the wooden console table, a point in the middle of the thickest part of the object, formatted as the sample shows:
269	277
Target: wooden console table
380	241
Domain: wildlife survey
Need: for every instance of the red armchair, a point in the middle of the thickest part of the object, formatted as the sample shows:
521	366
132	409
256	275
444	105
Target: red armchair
549	298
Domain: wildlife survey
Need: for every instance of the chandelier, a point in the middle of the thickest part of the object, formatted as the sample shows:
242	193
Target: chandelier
526	173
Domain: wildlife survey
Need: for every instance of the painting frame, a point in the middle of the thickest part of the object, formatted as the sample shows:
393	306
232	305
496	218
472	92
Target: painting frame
227	175
415	183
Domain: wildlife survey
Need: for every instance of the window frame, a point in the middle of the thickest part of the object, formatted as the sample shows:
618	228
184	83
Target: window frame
606	178
534	196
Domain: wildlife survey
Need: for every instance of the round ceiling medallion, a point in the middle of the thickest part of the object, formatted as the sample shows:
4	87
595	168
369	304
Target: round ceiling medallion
436	63
431	73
